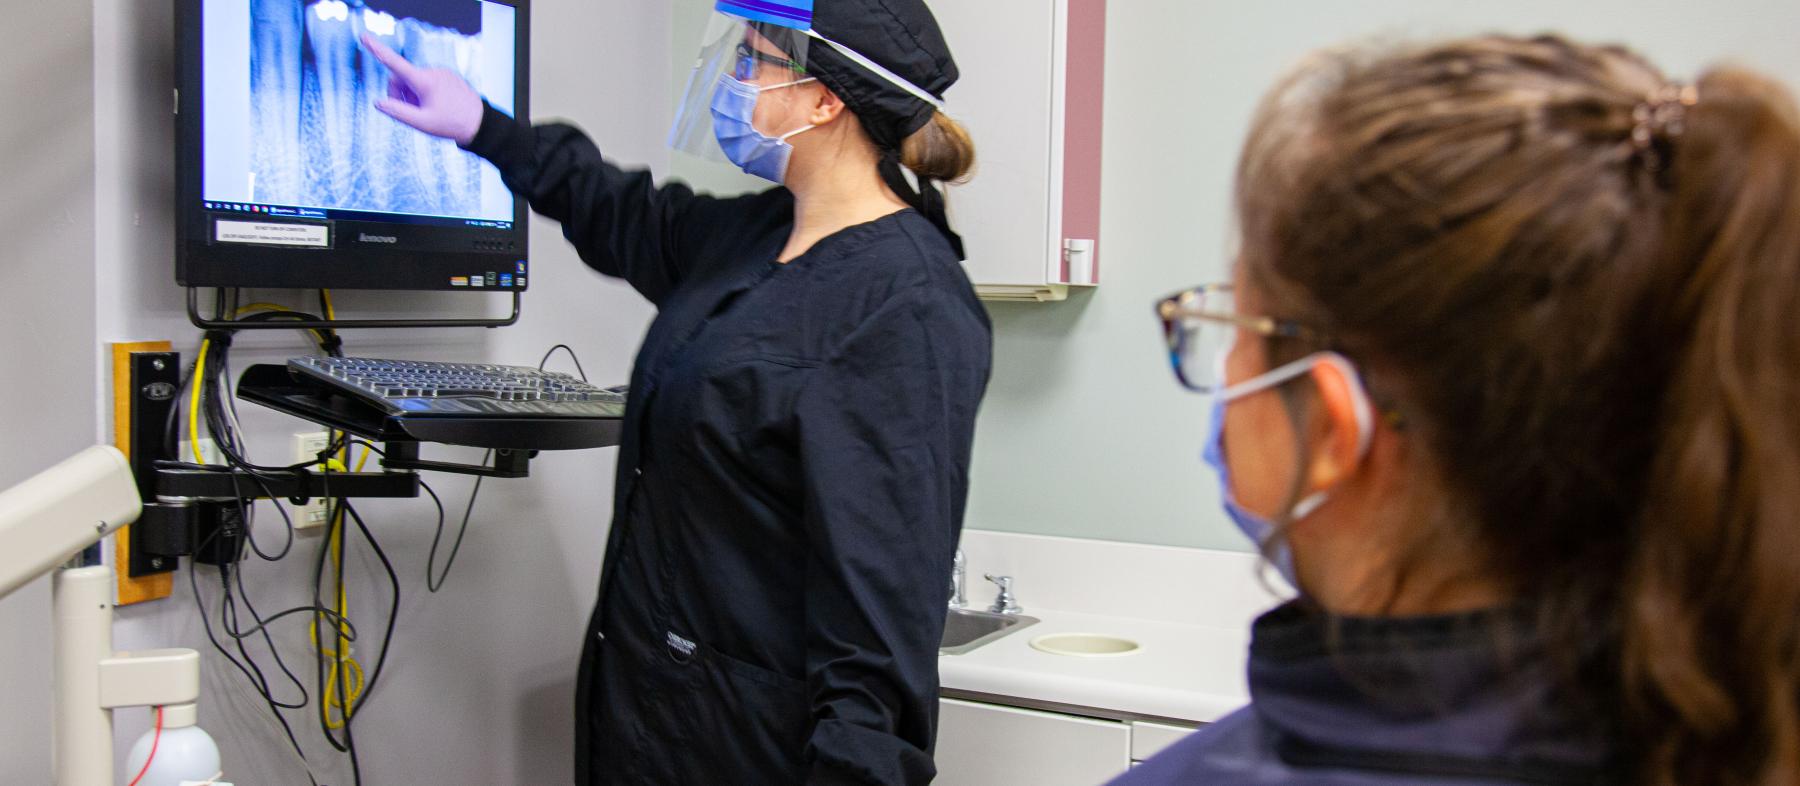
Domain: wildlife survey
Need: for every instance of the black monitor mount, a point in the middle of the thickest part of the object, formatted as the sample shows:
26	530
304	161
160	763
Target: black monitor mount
196	510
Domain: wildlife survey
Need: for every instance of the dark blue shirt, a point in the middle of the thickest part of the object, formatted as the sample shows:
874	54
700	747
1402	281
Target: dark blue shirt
1463	700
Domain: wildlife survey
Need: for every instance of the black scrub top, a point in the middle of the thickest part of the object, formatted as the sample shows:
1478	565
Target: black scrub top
791	480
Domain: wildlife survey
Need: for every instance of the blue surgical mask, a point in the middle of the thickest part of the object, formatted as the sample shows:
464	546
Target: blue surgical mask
1256	527
757	153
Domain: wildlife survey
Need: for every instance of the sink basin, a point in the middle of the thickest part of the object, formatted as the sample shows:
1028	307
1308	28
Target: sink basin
964	630
1085	645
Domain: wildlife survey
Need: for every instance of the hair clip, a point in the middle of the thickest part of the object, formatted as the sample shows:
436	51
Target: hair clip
1663	115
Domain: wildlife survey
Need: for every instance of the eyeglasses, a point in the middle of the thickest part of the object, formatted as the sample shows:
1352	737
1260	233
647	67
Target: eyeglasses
748	58
1200	324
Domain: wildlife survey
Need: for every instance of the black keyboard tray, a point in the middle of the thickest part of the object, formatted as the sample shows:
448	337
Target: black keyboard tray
275	387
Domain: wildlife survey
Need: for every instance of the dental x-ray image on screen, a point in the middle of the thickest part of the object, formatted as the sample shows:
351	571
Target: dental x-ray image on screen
310	131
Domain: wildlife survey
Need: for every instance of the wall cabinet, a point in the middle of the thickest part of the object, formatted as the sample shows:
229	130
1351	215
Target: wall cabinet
1031	94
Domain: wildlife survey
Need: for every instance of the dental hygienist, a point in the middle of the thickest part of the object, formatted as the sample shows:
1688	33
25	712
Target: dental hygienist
796	451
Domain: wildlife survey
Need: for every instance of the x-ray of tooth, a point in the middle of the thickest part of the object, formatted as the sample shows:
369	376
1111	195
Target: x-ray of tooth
316	138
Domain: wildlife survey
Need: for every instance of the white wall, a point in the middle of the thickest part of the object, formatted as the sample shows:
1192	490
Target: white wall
1084	432
479	686
46	217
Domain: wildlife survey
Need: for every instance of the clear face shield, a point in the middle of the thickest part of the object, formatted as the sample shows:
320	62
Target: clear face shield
741	96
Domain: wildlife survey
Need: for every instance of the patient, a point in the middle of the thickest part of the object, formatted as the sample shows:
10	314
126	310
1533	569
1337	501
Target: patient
1507	381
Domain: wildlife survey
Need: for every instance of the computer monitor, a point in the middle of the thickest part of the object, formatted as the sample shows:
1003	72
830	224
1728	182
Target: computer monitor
289	177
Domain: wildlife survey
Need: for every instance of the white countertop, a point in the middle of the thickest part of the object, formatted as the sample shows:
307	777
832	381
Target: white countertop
1185	672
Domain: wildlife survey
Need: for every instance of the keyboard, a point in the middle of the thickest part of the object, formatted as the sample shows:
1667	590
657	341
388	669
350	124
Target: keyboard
479	390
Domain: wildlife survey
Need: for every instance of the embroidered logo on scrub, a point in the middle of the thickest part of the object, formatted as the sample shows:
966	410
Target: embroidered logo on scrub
681	645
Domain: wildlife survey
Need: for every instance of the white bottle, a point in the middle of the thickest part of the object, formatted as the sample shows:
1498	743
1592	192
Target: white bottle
183	755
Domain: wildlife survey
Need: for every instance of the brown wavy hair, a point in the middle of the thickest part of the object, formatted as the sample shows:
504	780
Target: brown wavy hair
1586	309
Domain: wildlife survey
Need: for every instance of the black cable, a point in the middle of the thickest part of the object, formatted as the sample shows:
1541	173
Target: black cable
433	581
210	408
387	639
245	511
393	611
262	626
435	536
566	348
343	678
328	342
228	620
435	584
262	623
348	745
215	421
220	413
215	395
194	584
220	401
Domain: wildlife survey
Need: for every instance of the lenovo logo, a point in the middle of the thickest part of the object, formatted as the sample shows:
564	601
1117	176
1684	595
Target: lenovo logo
368	238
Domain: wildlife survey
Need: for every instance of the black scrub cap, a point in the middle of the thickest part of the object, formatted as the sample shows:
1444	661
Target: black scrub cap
903	37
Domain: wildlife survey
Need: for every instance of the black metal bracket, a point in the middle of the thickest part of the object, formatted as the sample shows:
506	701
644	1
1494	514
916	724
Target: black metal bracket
231	484
155	379
222	321
507	463
193	511
197	510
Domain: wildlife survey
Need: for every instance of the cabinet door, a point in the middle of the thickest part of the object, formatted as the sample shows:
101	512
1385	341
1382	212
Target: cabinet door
1004	49
989	745
1149	739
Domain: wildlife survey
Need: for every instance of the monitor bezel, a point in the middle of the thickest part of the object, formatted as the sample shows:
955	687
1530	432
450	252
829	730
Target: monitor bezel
426	257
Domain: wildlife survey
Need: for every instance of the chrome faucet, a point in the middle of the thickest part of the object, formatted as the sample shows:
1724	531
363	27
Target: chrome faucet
1005	602
958	575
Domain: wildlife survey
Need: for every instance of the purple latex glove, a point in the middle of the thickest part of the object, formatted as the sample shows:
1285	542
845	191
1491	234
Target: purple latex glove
436	101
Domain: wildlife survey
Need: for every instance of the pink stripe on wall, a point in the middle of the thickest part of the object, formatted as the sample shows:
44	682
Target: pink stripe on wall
1083	122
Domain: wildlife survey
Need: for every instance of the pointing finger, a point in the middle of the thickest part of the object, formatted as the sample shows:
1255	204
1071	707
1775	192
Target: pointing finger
388	57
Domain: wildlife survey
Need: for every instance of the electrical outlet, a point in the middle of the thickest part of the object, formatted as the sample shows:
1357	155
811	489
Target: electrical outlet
307	447
209	452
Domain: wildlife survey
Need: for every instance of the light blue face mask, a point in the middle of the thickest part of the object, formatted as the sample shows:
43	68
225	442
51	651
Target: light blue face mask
1254	526
757	153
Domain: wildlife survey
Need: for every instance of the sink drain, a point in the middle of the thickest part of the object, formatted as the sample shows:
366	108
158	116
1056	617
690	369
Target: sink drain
1085	645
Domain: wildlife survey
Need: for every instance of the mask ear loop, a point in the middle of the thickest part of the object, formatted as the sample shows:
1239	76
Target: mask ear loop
1361	409
789	135
1360	406
760	89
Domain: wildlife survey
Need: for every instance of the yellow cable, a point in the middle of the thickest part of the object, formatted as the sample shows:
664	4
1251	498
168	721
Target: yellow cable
194	403
261	307
273	307
325	295
347	668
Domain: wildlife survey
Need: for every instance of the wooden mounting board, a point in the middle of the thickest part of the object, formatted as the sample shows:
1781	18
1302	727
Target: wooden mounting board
158	586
